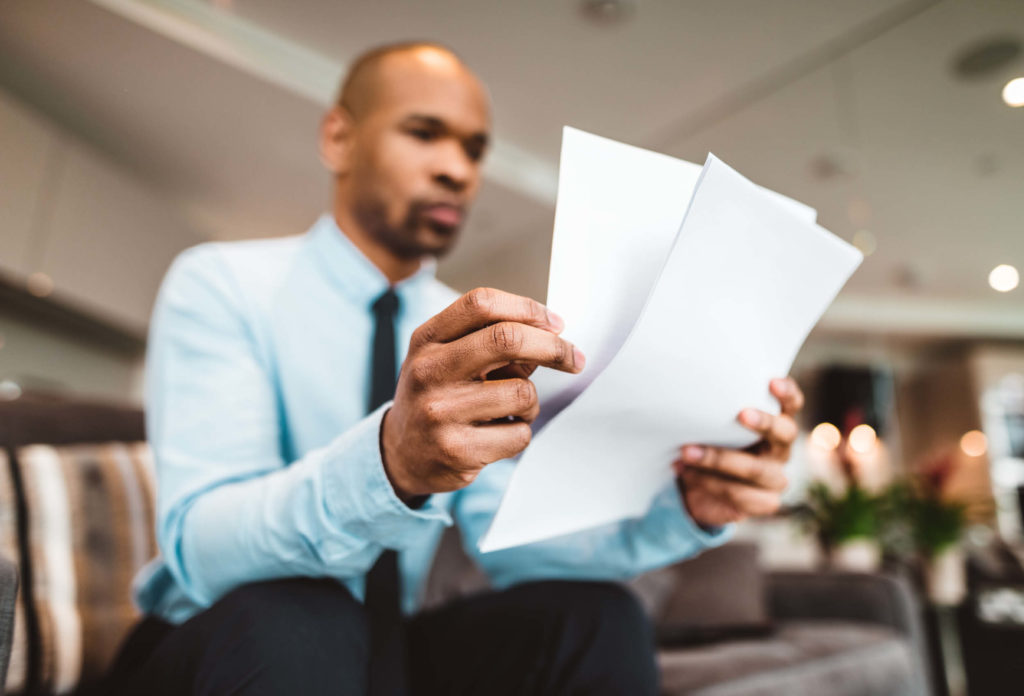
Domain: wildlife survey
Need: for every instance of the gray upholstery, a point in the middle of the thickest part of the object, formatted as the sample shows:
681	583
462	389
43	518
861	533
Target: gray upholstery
801	657
884	600
8	596
843	634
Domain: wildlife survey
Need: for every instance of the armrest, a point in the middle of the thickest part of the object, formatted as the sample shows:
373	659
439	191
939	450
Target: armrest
881	599
887	600
8	597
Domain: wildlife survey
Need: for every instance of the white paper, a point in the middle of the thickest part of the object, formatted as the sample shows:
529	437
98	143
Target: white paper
678	344
619	210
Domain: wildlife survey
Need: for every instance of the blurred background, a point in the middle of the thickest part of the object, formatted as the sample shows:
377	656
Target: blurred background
132	129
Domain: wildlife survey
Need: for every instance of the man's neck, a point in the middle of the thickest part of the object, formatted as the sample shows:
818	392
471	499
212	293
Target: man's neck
395	268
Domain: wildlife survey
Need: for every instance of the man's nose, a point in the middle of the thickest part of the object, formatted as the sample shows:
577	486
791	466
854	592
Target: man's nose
453	168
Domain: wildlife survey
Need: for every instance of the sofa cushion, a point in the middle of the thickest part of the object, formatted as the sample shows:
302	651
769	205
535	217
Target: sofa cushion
809	658
699	607
90	528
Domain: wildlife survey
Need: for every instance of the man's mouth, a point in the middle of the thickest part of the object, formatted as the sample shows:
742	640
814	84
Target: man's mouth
444	214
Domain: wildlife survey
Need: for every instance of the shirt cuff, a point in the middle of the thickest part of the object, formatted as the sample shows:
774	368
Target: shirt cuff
679	529
359	497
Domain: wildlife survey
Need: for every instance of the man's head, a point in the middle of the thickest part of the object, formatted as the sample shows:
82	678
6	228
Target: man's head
405	143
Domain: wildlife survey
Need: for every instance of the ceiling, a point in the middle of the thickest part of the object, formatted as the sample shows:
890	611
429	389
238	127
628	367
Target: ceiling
850	107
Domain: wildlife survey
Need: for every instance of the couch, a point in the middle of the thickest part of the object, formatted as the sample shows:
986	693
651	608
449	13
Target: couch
76	512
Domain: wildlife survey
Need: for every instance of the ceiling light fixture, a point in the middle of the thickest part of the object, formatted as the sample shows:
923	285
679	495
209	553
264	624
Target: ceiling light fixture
607	12
986	56
1004	278
1013	92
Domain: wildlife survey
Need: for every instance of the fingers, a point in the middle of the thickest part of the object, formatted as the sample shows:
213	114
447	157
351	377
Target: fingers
481	307
744	499
780	431
489	443
741	467
483	402
509	342
788	392
465	449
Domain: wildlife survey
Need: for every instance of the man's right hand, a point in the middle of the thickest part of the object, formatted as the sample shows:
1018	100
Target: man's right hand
448	420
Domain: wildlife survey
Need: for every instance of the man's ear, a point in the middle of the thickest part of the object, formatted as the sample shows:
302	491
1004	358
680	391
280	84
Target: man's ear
336	135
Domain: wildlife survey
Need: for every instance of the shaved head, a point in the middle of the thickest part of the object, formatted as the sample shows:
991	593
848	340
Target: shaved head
363	84
405	142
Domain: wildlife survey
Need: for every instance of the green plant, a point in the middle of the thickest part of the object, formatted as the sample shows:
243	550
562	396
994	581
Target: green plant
853	514
936	524
930	524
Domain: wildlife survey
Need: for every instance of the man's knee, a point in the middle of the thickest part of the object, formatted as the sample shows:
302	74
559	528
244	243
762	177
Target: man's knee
607	621
296	633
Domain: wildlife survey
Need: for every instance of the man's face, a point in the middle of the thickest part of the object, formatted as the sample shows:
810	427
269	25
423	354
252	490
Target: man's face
416	153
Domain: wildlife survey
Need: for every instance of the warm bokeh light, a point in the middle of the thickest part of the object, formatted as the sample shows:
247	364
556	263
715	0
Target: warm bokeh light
974	443
39	284
826	436
863	439
1013	92
865	241
1004	278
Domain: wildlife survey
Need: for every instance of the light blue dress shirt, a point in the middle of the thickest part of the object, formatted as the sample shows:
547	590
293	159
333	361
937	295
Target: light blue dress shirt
257	381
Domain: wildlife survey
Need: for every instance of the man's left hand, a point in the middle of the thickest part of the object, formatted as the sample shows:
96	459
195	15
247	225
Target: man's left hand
721	485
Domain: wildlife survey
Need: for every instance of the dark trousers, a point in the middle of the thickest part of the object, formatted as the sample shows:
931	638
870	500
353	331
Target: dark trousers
305	636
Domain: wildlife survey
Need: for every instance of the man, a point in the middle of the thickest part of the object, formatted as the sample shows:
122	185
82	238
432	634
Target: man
281	503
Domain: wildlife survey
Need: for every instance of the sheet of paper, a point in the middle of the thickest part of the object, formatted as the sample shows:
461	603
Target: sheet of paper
618	212
746	278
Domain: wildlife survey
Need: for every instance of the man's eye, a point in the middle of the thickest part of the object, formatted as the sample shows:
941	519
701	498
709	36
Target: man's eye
475	152
421	134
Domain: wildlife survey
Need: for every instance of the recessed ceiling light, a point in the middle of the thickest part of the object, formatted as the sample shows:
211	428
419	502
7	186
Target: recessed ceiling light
1004	278
607	12
986	56
1013	92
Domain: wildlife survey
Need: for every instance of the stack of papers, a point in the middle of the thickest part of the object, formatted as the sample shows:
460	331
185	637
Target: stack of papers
688	289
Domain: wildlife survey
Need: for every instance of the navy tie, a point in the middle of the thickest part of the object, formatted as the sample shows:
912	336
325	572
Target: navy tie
383	583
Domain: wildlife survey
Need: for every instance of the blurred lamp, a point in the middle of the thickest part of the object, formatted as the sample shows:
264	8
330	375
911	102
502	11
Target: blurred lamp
974	443
826	436
1013	92
9	390
39	284
1003	278
863	439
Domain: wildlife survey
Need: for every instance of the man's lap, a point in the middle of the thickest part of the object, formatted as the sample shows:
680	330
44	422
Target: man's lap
310	636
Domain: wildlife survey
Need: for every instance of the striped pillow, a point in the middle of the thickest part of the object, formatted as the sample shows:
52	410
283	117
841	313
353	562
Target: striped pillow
90	512
16	668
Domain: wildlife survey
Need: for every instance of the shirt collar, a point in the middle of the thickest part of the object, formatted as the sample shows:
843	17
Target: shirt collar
353	273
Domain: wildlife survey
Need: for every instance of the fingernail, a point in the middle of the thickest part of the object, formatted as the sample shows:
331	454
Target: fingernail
557	322
693	453
751	417
579	360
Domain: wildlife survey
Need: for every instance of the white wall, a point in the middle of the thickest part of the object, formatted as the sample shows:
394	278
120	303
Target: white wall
38	357
102	235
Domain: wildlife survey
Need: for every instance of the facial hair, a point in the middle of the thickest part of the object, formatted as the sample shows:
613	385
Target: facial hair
401	239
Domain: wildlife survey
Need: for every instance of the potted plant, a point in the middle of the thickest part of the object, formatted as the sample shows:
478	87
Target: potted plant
848	525
937	526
